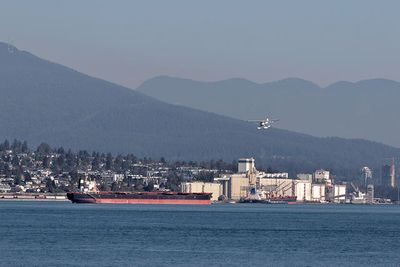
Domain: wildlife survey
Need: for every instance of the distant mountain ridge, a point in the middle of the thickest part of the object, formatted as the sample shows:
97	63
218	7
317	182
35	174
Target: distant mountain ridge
365	109
46	102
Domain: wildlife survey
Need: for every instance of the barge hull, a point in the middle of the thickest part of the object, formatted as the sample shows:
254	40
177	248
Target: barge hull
141	198
143	201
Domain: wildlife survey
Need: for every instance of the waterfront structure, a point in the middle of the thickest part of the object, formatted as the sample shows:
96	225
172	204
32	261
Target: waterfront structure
318	192
322	176
246	165
234	186
317	187
202	187
303	190
278	186
224	181
339	193
239	185
370	194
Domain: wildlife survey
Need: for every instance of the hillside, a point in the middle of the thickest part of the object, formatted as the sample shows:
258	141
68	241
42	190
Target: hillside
46	102
366	109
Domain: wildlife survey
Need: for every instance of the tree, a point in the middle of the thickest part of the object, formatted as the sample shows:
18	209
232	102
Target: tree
173	182
60	150
149	187
5	145
118	163
132	158
27	176
70	160
18	180
24	147
43	149
50	185
16	146
96	162
60	162
205	176
109	161
114	186
46	162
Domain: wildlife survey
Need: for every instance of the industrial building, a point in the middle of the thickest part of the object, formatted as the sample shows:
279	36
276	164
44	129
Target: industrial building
370	194
279	186
246	165
238	186
316	187
303	190
202	187
318	192
322	176
339	193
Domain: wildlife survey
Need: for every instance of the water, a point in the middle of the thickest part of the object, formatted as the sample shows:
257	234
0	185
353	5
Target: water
65	234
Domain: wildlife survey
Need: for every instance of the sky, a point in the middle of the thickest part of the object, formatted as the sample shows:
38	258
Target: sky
128	42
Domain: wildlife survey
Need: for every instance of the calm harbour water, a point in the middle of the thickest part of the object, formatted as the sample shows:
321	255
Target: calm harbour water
65	234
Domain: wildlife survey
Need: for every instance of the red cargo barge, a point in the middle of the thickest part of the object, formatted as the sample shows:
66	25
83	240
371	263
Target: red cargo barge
173	198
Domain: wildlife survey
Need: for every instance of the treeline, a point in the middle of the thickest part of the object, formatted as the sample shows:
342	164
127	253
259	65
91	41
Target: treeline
62	160
16	146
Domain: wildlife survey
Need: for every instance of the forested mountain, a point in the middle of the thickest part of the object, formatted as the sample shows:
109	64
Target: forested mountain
366	109
46	102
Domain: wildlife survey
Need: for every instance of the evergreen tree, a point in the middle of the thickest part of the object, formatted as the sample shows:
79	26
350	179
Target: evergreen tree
6	145
46	162
50	186
43	149
16	146
109	162
60	150
24	147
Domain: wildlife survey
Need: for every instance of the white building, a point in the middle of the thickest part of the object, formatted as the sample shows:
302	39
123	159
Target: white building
339	193
277	186
370	194
202	187
238	186
322	176
246	165
303	190
318	192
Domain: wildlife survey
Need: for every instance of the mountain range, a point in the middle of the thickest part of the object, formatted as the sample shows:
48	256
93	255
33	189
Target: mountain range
366	109
41	101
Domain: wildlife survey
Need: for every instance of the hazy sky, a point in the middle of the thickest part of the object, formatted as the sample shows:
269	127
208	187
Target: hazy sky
130	41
